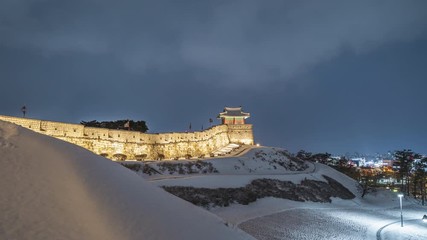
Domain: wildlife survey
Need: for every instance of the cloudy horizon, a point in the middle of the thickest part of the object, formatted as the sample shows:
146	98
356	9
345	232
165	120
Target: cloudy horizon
336	76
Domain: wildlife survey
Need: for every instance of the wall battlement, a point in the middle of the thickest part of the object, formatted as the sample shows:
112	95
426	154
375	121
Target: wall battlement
123	144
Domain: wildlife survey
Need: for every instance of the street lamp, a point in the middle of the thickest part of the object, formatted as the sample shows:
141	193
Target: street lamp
401	214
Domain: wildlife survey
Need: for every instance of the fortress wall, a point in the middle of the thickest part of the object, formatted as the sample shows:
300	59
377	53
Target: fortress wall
58	129
114	144
24	122
241	134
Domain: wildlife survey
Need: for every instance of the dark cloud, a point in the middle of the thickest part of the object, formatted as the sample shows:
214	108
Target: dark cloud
315	74
240	40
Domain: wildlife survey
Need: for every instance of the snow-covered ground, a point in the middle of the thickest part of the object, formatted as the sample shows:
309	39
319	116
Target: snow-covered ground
54	190
330	221
376	216
51	189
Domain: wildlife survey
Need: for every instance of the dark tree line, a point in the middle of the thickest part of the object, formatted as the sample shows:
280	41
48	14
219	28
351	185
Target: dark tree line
317	157
420	179
131	125
411	169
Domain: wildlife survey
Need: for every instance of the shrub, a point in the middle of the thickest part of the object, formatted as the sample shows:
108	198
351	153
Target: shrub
119	157
140	157
132	166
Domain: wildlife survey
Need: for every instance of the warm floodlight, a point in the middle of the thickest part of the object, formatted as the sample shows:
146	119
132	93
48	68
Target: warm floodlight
401	213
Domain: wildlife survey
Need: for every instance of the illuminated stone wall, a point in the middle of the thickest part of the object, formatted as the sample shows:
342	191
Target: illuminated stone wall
241	134
116	144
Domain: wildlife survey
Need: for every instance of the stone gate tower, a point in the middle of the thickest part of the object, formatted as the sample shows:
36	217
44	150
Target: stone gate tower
233	115
238	130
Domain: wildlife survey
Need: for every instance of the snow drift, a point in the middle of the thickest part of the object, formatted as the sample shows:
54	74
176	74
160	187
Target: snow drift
54	190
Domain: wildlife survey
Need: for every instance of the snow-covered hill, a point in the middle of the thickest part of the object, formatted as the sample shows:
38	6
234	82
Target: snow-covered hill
272	195
54	190
258	160
234	172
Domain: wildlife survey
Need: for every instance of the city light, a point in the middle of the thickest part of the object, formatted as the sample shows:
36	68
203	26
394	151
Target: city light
401	213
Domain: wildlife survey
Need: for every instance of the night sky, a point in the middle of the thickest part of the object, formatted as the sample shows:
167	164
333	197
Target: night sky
336	76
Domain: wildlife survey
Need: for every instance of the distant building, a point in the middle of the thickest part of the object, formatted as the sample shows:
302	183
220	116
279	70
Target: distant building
233	115
388	162
359	161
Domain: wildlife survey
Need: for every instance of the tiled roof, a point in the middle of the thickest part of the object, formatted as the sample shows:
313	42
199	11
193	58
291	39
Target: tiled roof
233	112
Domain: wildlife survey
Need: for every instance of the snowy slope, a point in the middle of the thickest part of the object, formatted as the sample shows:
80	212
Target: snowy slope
256	161
54	190
376	216
259	162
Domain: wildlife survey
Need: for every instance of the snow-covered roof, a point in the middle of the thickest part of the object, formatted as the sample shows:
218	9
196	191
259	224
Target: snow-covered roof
233	112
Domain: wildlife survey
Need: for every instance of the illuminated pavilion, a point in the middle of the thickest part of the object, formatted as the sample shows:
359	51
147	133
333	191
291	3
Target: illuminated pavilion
233	115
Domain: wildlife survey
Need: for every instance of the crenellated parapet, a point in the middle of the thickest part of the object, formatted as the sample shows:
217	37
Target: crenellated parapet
123	144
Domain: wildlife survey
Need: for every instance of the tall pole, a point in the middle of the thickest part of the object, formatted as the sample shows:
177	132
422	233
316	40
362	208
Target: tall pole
401	212
24	110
